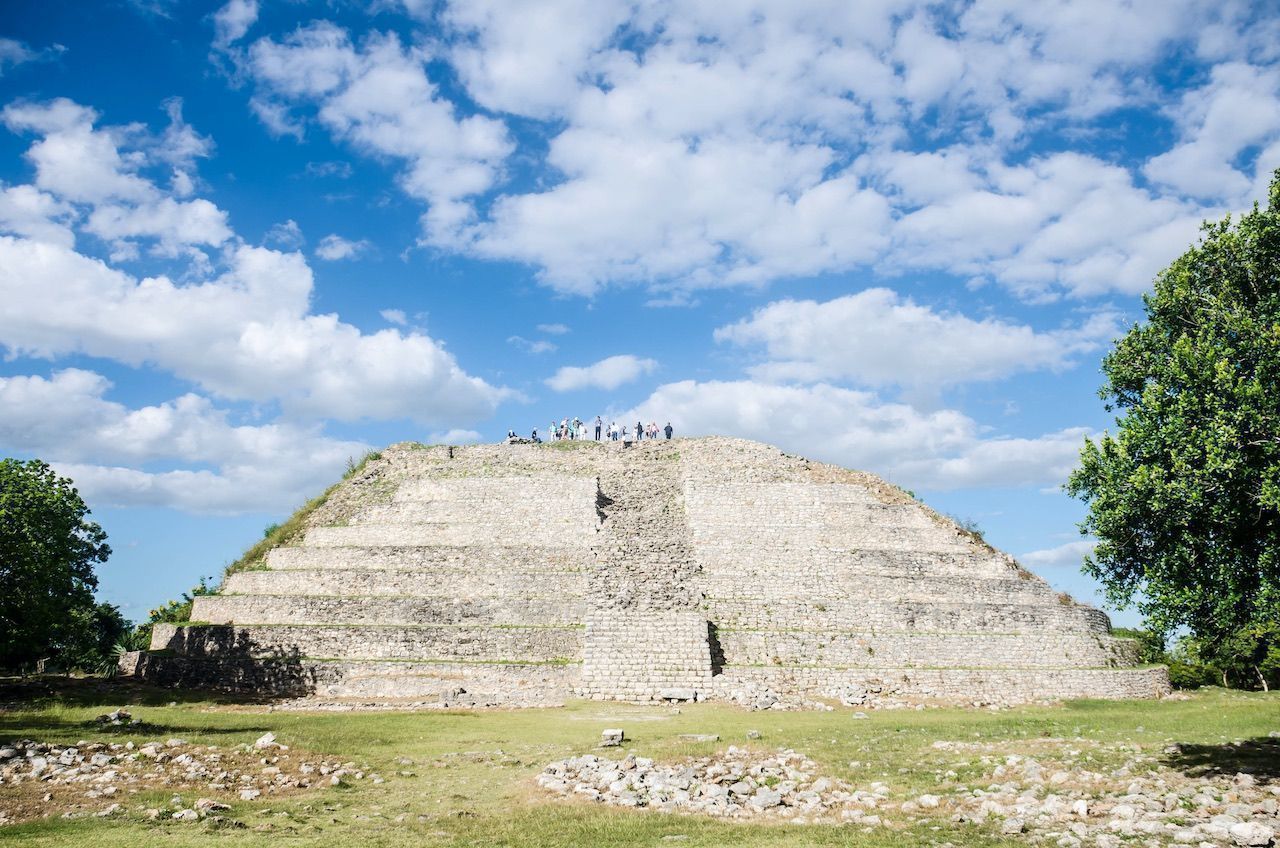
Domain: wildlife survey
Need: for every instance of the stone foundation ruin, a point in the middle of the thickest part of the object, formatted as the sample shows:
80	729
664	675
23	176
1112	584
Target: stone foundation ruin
665	570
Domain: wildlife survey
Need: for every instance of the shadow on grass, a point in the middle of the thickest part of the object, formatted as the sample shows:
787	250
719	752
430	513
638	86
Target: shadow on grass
43	690
42	726
1258	757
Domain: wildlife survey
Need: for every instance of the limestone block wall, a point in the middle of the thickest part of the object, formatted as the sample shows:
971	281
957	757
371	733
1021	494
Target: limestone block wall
916	648
982	685
472	584
316	609
889	614
637	656
497	555
472	642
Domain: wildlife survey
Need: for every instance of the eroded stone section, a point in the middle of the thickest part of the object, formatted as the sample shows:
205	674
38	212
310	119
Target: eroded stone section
646	634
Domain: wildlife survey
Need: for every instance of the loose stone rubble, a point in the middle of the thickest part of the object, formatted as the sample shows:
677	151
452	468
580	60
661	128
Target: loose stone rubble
1062	798
735	784
1065	802
117	718
38	780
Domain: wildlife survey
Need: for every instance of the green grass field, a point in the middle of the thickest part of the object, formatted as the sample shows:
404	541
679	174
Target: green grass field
471	777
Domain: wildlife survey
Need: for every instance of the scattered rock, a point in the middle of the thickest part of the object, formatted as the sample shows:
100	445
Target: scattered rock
206	805
43	779
117	718
699	737
1251	834
736	783
611	737
265	741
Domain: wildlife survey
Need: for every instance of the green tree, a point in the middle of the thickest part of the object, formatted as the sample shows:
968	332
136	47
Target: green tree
1248	657
47	552
90	636
1151	644
1184	499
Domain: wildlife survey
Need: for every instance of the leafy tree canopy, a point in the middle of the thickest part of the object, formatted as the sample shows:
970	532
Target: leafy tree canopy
47	552
1184	498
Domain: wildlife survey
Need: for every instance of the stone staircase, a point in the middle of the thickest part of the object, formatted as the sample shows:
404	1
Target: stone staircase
525	574
646	635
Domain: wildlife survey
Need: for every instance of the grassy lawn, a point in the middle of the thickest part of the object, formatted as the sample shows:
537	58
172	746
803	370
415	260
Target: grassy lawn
470	779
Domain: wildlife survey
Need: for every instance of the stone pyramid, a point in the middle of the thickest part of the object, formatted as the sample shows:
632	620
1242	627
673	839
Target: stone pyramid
691	568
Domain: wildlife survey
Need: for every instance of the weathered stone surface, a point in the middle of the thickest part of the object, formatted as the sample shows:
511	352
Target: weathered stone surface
658	571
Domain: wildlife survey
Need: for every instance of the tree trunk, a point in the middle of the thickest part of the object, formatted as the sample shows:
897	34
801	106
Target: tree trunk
1224	679
1261	679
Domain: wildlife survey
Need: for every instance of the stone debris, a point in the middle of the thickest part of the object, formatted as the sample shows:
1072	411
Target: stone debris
449	699
736	783
1071	802
117	718
1065	799
40	779
611	738
699	737
268	740
755	697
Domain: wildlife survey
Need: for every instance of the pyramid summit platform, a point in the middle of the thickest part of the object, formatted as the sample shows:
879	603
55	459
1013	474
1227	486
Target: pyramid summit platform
695	568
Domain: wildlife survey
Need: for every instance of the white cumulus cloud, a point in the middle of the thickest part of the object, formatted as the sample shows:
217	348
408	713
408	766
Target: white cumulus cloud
1069	555
608	373
67	420
876	337
334	247
378	97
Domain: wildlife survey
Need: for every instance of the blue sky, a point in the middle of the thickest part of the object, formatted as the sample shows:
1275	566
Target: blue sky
241	242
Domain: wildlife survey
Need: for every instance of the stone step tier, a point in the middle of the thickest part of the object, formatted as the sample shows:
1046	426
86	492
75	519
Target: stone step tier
898	614
450	534
471	642
912	648
429	579
982	685
419	583
513	557
383	681
313	609
522	643
569	609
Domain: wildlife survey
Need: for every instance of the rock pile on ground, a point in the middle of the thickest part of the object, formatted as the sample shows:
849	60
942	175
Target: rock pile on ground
117	718
38	779
736	783
1061	796
1069	803
754	696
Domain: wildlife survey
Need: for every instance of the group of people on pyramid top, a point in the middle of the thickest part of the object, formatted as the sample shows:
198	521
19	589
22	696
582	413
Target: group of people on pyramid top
576	428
